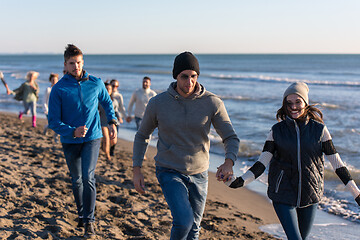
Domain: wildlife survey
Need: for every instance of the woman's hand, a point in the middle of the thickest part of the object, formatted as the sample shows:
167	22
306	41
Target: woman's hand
357	199
235	183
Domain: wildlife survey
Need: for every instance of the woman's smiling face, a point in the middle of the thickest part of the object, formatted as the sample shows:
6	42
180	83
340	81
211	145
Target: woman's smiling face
295	106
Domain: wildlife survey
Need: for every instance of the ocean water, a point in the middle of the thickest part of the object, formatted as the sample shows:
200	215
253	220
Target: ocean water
251	87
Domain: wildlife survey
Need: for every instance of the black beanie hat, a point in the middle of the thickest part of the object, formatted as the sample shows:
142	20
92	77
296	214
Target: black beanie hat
185	61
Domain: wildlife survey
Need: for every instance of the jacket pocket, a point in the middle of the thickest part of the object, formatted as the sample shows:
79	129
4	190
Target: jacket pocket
279	181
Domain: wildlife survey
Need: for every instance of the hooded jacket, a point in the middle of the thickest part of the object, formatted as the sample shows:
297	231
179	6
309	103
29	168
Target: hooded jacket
183	129
74	103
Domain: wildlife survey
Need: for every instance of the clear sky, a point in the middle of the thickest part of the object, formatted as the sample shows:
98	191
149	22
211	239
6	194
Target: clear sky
166	26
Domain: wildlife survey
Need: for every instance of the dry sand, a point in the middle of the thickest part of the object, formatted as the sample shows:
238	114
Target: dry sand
36	201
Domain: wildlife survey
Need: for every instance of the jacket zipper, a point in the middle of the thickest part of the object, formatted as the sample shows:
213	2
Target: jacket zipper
279	181
299	162
82	103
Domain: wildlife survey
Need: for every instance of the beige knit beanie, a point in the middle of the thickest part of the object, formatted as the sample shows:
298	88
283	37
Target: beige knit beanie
299	88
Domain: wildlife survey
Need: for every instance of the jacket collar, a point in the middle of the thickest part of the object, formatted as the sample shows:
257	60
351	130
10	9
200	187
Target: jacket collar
85	77
291	122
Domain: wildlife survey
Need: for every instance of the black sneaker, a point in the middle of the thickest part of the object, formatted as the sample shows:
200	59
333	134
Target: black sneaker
89	230
80	223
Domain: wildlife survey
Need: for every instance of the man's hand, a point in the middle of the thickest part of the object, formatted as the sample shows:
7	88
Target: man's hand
80	131
138	180
112	131
128	119
225	171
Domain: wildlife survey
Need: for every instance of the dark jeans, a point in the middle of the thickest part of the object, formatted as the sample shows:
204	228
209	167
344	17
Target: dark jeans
296	222
138	122
186	197
81	160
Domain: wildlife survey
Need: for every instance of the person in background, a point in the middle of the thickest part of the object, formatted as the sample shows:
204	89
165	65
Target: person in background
53	80
294	149
106	142
121	107
183	115
73	113
8	91
28	92
140	98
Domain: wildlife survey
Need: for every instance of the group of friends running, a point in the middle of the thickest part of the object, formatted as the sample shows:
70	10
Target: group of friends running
293	152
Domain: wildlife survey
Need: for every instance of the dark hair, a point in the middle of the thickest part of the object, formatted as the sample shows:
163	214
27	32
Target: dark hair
71	51
311	112
147	78
113	80
53	75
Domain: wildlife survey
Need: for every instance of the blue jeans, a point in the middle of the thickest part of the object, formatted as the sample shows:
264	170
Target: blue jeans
81	159
186	197
296	222
138	122
29	106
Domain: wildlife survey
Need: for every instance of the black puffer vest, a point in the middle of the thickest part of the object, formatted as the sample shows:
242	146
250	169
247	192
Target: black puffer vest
296	172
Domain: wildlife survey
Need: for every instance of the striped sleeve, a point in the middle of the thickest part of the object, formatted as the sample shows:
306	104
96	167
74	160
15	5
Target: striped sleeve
338	165
260	165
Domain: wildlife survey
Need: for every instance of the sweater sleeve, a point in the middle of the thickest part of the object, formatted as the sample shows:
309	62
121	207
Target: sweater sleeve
142	137
46	100
337	164
121	106
224	128
131	103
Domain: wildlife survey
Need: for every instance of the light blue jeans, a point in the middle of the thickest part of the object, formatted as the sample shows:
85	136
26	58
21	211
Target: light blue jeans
81	159
29	106
296	222
186	197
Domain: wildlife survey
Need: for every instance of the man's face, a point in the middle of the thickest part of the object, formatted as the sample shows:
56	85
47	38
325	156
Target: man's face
74	66
146	83
186	82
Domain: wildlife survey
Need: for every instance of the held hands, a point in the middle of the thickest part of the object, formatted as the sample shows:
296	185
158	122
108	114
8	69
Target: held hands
128	119
138	179
225	171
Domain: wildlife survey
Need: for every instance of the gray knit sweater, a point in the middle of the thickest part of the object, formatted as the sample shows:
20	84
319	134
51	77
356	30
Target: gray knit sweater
183	128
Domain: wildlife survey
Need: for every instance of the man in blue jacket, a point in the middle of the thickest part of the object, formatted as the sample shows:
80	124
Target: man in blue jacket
73	114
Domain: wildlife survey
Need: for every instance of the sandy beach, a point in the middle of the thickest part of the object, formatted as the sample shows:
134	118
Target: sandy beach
36	201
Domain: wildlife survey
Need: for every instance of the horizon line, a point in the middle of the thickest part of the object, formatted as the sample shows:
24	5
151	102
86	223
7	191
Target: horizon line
51	53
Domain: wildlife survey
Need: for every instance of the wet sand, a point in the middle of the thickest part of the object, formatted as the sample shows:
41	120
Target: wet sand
36	200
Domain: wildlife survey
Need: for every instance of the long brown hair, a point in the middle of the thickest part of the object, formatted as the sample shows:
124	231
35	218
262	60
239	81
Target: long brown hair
311	112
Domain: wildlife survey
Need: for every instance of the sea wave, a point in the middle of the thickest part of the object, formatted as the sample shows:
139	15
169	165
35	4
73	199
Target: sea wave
270	79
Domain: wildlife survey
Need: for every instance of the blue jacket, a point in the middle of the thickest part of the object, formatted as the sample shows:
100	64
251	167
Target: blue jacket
74	103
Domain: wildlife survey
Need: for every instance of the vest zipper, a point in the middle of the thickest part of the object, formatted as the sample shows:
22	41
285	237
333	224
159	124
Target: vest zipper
81	104
299	162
